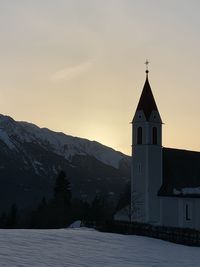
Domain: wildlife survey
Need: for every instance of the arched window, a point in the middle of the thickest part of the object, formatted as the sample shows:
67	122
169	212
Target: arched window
155	136
139	135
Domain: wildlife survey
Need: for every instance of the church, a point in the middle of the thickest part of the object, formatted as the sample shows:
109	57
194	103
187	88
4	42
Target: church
165	182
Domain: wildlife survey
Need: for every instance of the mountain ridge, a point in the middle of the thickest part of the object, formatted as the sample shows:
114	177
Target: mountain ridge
61	138
31	157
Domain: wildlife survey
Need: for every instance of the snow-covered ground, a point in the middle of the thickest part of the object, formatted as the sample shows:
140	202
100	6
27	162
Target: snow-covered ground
85	247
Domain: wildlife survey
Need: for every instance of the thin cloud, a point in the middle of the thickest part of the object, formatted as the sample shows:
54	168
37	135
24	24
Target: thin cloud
71	72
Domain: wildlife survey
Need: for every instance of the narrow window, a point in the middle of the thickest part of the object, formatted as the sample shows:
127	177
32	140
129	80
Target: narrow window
187	213
139	135
139	168
155	136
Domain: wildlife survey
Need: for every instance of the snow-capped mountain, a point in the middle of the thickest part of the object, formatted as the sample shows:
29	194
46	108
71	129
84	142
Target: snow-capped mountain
13	133
31	157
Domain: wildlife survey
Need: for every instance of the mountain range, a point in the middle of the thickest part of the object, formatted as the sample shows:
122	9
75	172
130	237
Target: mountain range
31	158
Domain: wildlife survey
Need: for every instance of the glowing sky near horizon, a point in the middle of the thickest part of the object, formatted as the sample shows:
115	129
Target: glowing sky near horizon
77	66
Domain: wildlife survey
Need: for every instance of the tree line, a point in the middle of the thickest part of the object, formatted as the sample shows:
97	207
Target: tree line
60	211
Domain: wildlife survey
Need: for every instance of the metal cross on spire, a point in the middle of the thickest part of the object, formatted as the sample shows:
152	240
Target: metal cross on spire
147	66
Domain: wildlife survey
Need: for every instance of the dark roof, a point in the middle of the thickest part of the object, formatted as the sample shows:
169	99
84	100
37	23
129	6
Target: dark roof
181	171
147	102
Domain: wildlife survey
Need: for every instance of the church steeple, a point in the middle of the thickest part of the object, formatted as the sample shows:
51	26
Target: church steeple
146	158
147	103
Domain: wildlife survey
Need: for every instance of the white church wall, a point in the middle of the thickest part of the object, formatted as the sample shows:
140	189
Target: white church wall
170	207
154	166
189	213
197	213
139	184
181	212
186	213
146	169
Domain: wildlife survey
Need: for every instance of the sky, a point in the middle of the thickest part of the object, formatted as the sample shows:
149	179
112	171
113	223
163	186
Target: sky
77	66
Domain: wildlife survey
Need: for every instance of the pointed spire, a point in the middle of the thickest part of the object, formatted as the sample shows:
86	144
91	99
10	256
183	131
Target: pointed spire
147	102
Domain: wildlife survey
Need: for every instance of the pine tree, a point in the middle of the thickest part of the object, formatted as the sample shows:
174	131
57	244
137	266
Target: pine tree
62	199
62	190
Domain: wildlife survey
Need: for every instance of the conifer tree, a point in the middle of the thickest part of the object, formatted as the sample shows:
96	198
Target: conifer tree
62	199
62	190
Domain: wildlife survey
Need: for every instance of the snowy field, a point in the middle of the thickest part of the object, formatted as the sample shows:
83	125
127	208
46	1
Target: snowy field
85	247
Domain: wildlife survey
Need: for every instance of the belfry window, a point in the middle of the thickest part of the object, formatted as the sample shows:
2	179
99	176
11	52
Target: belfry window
155	136
139	135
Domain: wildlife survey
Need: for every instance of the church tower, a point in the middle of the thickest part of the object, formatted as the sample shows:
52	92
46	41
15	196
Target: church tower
146	177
